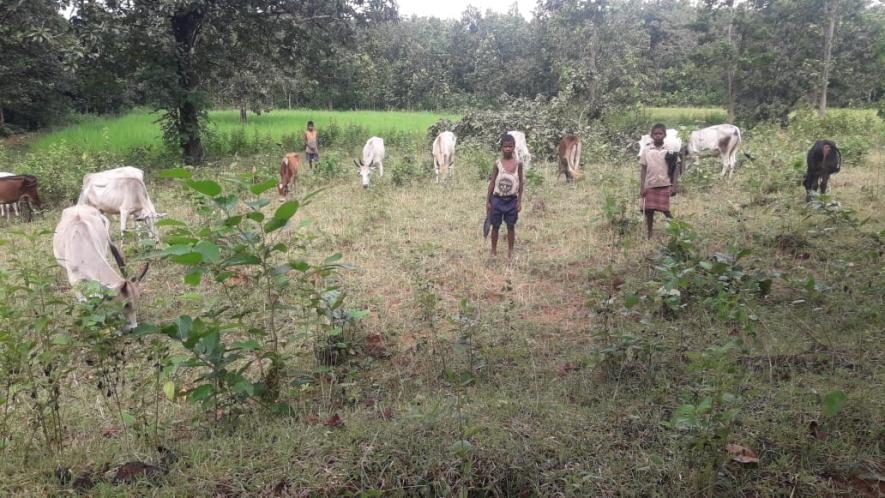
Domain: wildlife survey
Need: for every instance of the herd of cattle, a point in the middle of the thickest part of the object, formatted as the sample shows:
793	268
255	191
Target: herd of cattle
82	238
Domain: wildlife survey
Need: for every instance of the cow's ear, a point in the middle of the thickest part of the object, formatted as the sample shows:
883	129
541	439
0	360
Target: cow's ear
142	272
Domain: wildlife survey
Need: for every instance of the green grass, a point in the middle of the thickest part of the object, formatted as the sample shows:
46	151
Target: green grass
562	403
138	129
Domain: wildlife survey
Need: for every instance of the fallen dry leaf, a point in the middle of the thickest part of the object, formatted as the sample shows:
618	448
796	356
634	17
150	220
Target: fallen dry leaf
312	419
110	432
816	432
333	421
566	369
741	454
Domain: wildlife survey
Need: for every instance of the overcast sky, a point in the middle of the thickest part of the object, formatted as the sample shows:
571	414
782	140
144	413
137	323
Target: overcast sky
452	9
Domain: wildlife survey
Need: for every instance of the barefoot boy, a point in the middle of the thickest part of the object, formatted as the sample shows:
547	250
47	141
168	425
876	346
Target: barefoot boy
311	149
504	200
655	181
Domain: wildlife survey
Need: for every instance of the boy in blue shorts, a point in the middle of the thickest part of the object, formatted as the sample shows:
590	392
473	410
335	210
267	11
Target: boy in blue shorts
504	199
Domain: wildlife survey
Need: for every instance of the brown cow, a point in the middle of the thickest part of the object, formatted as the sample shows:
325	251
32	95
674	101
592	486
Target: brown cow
288	173
15	188
569	157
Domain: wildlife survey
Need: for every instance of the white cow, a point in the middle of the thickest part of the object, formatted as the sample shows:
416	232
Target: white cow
125	195
373	153
444	154
723	140
672	142
106	175
80	245
521	149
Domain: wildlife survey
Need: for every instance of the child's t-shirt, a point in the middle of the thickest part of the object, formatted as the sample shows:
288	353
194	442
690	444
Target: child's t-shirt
506	183
655	167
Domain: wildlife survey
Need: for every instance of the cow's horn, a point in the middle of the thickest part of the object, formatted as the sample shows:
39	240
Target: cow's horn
119	259
142	272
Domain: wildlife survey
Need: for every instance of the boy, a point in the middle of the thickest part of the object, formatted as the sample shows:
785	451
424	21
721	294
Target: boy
655	180
310	145
504	199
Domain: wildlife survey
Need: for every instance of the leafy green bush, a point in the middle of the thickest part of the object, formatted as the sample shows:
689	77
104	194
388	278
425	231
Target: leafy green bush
237	349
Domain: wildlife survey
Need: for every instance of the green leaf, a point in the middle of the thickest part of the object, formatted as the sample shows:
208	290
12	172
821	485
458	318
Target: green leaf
190	259
233	221
168	222
245	259
299	265
263	186
256	216
286	210
249	345
332	259
631	300
174	173
210	251
201	393
193	277
128	419
243	386
274	224
169	390
834	401
205	187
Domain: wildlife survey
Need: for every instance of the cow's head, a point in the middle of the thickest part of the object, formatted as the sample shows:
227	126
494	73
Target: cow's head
364	171
283	190
129	290
150	219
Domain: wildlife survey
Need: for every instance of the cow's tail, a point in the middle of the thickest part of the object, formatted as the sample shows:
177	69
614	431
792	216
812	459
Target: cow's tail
574	161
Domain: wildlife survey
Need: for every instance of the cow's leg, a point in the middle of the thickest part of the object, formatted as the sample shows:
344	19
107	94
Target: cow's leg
123	215
436	170
724	166
823	183
809	182
380	169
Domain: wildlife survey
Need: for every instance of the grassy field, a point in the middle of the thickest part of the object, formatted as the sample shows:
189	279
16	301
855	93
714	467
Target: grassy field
139	129
574	371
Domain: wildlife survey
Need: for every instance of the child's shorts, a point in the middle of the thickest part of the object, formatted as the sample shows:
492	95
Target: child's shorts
504	209
312	157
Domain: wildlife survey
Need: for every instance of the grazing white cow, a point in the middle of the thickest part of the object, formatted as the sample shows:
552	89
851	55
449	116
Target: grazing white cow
723	140
102	177
444	154
80	245
124	195
373	153
522	149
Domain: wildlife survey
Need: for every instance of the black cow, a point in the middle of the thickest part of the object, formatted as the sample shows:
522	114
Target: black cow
823	159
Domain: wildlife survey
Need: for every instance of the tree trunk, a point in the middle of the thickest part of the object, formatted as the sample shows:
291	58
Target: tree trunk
731	68
832	13
244	116
2	119
186	26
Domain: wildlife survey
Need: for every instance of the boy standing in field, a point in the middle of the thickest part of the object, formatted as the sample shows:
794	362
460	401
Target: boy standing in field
504	199
655	180
311	150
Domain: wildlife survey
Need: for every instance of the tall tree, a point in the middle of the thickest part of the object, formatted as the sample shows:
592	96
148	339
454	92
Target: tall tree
181	45
36	54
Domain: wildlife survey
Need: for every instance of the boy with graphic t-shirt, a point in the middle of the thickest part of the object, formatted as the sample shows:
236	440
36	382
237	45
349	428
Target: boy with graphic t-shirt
504	200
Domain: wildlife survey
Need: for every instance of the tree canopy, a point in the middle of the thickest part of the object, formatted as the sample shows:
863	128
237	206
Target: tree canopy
758	59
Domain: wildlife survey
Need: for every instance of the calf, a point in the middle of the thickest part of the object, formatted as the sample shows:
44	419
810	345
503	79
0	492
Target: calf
123	195
288	173
822	160
722	140
373	153
17	188
521	151
444	153
80	245
569	157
